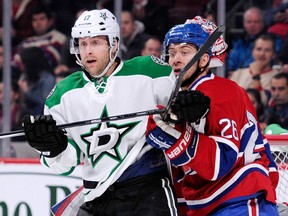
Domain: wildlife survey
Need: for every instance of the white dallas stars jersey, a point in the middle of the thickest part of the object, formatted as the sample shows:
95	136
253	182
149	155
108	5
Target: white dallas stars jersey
107	149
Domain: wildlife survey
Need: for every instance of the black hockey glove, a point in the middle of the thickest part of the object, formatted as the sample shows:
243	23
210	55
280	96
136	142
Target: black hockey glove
42	134
190	106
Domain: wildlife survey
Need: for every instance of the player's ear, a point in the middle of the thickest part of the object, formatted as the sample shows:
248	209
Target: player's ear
204	60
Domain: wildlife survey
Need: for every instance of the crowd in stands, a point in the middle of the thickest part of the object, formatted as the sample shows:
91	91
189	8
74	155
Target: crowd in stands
257	59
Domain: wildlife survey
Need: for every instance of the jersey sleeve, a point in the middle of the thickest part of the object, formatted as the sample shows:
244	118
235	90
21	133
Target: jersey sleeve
66	161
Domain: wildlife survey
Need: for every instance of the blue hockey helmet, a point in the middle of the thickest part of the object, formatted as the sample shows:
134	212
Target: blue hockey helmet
191	33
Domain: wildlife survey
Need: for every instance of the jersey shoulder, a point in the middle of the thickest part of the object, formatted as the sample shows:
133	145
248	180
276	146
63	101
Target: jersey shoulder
150	66
221	86
73	81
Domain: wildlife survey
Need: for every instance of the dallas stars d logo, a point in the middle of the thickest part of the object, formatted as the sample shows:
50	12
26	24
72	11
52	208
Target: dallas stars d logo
105	139
103	16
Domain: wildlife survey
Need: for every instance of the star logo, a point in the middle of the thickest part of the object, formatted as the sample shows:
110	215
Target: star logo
103	16
105	139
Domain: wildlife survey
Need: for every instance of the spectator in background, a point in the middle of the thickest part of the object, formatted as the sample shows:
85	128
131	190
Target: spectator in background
36	82
14	105
210	15
280	25
270	13
259	73
277	111
154	16
240	56
283	57
133	36
152	46
68	61
60	76
46	37
255	98
21	20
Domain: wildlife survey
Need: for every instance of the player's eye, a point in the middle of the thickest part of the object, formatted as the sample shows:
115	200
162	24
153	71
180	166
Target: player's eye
171	54
184	53
95	43
83	44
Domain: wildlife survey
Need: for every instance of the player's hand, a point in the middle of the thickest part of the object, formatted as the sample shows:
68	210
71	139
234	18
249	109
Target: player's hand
190	106
178	141
42	134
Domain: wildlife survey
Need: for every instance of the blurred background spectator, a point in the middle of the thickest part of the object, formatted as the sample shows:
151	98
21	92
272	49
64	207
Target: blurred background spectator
259	72
36	81
152	46
240	54
280	25
133	36
154	16
68	61
21	19
277	111
255	98
14	105
283	57
210	15
45	36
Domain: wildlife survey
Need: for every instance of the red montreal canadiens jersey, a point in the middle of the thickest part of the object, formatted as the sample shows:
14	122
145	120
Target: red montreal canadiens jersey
232	160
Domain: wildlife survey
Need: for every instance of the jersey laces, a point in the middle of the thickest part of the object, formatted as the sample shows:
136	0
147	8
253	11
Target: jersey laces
100	85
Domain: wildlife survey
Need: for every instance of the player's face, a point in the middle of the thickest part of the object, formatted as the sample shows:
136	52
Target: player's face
94	53
180	55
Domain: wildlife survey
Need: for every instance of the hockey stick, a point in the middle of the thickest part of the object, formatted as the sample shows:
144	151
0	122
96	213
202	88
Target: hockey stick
203	49
91	121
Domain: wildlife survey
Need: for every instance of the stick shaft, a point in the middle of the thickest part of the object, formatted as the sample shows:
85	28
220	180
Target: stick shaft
91	121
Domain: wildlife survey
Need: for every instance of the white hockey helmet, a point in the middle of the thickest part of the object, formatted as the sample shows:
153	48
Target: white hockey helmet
95	23
219	47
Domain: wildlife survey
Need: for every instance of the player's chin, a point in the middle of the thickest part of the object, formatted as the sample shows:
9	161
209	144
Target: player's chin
92	71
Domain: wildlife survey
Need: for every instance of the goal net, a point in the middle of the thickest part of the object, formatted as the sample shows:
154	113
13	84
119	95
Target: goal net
279	148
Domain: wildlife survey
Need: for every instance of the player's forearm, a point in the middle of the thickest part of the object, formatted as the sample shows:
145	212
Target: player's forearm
214	157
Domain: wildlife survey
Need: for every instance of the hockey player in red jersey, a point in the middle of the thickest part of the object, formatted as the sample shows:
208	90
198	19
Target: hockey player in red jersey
223	163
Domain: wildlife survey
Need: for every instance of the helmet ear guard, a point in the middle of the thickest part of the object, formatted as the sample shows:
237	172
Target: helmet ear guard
74	46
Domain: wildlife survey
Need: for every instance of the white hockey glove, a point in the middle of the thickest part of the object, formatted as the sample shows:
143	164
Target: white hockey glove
178	141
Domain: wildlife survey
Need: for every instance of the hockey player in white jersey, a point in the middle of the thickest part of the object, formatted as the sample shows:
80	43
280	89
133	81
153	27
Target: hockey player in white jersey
122	175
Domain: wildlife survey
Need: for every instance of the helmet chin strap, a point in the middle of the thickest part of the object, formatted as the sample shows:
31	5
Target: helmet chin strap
111	60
